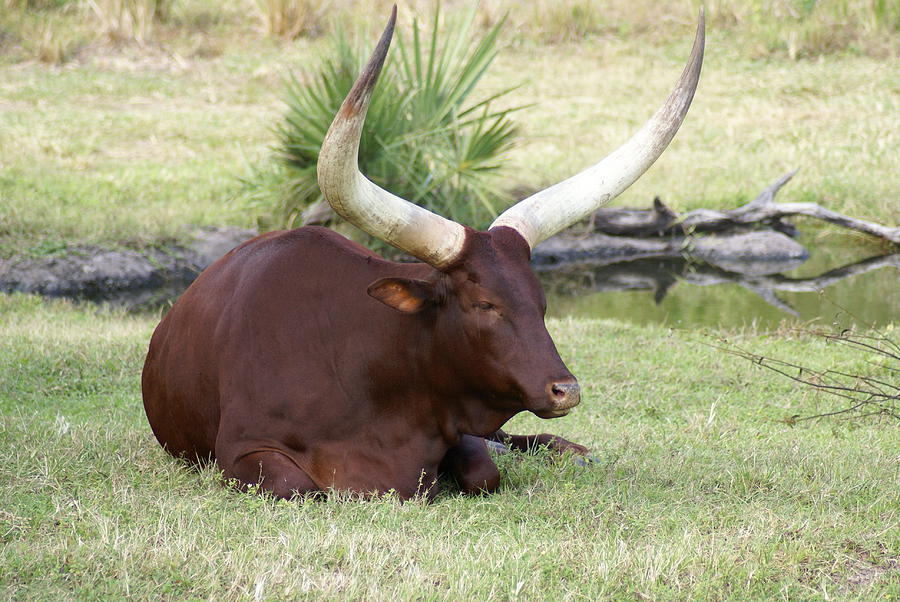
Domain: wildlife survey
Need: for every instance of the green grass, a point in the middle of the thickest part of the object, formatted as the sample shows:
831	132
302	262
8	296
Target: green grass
699	493
128	143
125	156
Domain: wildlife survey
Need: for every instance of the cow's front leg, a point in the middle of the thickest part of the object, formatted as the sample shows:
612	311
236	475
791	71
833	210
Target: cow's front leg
528	443
471	465
272	471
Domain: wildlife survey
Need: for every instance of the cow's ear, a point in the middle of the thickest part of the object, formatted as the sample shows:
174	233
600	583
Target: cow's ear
403	294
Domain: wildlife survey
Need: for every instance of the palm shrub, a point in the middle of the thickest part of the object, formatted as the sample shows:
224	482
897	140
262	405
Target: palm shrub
424	138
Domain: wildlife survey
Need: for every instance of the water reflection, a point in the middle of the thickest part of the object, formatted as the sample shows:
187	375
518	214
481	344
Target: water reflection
685	292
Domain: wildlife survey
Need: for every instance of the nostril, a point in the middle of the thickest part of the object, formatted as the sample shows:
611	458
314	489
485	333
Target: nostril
564	390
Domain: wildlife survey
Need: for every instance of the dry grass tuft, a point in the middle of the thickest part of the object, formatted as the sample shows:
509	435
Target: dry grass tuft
128	20
44	36
551	21
49	47
291	18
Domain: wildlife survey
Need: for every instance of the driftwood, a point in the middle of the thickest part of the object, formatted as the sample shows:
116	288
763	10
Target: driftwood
653	249
660	220
758	252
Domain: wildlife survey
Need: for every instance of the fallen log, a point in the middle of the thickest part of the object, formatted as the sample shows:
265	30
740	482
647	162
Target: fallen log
661	220
761	252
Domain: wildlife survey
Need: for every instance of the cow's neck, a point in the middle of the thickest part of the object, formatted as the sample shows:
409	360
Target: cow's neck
440	396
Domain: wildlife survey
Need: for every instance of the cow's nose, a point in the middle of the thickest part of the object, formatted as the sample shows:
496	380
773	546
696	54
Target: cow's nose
565	395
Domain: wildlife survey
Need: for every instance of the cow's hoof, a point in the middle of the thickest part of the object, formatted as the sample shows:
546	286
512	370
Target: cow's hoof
496	447
585	460
561	446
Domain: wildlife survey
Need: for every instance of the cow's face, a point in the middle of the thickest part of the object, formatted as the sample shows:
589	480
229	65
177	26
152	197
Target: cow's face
485	307
487	314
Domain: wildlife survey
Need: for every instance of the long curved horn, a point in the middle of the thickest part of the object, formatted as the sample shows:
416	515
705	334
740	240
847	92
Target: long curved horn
545	213
419	232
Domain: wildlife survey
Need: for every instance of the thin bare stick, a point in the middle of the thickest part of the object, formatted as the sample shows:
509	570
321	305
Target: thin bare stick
861	391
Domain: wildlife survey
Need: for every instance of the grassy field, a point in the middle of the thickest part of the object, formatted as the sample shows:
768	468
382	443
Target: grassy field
121	141
700	492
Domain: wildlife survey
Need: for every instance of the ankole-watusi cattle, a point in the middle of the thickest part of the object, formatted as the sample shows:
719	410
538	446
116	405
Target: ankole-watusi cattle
301	361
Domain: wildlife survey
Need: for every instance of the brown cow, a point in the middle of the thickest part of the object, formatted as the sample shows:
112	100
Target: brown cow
301	361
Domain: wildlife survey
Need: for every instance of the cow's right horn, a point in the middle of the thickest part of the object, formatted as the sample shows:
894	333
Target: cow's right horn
419	232
545	213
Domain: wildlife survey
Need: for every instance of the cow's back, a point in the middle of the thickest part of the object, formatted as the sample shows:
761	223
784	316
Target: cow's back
257	290
180	377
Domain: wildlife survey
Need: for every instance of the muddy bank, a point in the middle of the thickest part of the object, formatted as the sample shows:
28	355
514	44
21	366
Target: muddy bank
125	276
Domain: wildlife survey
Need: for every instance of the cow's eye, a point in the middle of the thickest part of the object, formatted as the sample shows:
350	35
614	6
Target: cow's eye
484	305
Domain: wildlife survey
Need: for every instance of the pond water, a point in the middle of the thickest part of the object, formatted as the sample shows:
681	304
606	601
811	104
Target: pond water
842	283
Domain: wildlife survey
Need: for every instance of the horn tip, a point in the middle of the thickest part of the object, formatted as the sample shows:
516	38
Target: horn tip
701	24
696	59
357	99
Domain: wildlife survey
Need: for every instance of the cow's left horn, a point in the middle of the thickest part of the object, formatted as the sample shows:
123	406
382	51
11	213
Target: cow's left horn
545	213
419	232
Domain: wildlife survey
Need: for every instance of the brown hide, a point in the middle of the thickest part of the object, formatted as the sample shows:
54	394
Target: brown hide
360	371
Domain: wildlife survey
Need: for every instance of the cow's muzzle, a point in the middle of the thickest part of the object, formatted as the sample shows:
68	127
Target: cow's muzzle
563	396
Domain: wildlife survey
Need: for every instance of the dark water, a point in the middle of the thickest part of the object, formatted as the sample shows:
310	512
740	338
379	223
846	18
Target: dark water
842	284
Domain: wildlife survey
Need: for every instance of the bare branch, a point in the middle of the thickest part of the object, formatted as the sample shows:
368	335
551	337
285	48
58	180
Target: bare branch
860	390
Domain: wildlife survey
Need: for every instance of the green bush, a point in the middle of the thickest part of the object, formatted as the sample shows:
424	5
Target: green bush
424	139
